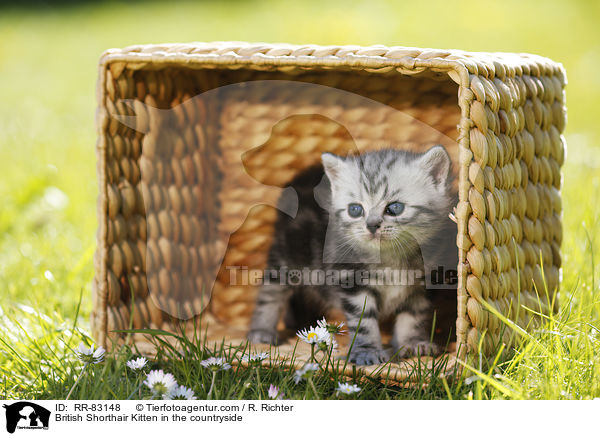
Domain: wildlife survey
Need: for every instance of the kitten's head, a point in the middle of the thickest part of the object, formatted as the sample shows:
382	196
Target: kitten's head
384	199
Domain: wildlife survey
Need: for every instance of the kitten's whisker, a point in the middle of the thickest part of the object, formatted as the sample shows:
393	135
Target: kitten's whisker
349	248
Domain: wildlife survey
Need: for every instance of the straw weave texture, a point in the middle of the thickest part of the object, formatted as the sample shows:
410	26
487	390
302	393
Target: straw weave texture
169	225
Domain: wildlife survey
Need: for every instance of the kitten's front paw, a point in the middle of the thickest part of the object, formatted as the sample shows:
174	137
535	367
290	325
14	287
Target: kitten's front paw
258	336
419	348
368	356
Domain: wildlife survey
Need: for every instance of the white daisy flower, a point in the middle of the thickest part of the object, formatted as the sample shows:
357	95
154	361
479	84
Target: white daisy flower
347	388
329	344
314	335
215	363
137	364
255	358
305	372
333	344
181	393
334	329
273	392
90	355
160	383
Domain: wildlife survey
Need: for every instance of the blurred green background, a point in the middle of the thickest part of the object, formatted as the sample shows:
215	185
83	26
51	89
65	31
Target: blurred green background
48	69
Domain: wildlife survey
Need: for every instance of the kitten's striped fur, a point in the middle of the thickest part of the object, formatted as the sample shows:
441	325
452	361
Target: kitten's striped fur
324	235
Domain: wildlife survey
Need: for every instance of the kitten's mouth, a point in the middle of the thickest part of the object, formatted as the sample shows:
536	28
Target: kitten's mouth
384	236
379	237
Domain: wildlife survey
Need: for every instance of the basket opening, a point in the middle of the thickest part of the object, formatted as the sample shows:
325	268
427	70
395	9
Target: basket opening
206	170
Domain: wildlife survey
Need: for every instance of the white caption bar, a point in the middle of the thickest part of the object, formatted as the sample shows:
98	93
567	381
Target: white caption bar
297	417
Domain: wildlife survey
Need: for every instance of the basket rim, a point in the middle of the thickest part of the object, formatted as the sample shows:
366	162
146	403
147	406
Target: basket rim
458	64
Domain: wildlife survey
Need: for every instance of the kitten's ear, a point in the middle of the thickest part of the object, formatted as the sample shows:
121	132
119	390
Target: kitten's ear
333	166
437	163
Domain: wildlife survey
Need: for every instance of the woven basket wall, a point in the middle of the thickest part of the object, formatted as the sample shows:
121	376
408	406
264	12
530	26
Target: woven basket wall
187	189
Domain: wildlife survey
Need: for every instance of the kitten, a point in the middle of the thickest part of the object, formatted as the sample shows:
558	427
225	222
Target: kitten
362	214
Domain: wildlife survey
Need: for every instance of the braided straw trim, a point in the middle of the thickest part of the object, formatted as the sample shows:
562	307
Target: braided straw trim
287	57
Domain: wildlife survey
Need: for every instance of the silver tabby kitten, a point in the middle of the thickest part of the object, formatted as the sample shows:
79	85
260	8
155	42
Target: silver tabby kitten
379	211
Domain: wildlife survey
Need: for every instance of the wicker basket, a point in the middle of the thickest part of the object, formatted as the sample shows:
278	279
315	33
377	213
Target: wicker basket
169	226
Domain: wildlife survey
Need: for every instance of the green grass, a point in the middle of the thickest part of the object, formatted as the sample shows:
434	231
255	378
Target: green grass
46	367
48	61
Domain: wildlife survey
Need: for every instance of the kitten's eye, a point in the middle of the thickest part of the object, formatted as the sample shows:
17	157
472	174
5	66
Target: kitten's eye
355	210
394	209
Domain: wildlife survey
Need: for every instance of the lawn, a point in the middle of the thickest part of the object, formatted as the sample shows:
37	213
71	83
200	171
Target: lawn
48	188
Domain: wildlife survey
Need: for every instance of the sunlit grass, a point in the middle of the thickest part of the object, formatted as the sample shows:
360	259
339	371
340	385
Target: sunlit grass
41	363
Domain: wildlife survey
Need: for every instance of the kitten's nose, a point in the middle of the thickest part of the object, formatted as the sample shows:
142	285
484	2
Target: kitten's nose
373	225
